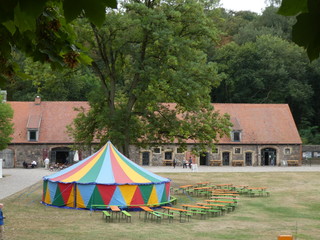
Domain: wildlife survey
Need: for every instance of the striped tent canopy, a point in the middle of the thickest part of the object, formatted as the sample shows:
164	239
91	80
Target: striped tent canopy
103	179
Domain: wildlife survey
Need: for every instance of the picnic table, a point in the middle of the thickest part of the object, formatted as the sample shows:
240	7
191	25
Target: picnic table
226	185
147	211
185	187
202	212
115	211
179	210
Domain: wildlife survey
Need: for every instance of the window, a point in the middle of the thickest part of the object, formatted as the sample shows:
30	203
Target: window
157	150
32	135
168	155
216	150
237	150
287	151
236	136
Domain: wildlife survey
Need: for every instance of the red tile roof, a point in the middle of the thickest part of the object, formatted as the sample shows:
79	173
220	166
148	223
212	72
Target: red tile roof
259	123
55	116
262	123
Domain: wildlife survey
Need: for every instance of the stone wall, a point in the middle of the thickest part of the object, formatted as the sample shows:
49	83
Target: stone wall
37	152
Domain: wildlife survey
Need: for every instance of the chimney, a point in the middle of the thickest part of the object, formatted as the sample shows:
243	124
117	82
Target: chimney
37	100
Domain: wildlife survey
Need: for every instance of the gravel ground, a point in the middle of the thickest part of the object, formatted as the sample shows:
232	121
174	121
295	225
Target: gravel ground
17	179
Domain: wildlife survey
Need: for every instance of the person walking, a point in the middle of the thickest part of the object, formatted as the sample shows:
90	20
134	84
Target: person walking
190	162
46	163
1	223
174	163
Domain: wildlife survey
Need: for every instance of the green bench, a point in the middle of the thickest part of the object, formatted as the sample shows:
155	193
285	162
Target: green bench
126	215
170	216
106	214
202	214
157	216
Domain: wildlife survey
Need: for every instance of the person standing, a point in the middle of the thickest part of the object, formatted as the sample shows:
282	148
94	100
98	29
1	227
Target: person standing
46	163
190	162
174	163
1	223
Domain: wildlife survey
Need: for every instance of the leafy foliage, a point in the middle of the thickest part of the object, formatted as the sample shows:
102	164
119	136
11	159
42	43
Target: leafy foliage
306	31
41	29
6	126
145	54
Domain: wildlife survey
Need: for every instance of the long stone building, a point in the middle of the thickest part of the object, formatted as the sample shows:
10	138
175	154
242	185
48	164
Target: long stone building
262	135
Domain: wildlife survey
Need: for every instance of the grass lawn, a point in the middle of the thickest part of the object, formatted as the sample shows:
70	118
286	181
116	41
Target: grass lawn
292	208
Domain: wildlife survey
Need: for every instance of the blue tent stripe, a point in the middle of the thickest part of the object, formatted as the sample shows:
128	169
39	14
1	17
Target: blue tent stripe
117	198
106	174
86	192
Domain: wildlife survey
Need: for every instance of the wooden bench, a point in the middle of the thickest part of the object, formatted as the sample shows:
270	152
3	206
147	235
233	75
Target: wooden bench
238	163
293	162
126	215
106	214
167	162
215	162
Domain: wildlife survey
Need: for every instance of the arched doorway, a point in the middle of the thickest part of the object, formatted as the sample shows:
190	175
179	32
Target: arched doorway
268	157
61	155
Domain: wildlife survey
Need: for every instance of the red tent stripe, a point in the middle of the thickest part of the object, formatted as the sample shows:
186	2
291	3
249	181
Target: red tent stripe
137	198
106	192
119	175
65	190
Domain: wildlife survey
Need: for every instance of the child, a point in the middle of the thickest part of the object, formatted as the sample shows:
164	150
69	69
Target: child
1	223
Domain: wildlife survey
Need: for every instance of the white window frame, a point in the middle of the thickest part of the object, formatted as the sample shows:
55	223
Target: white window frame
234	150
29	135
155	149
285	151
233	138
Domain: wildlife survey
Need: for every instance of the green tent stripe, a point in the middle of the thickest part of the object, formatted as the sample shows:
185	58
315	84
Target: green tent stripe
139	170
58	200
93	173
96	198
164	197
145	192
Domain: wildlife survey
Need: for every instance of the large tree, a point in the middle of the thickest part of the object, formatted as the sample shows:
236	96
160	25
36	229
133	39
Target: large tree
148	53
6	125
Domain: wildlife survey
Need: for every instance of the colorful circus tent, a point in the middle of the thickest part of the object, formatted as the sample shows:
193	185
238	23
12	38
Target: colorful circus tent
103	179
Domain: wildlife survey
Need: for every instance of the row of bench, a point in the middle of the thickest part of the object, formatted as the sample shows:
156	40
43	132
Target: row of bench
108	216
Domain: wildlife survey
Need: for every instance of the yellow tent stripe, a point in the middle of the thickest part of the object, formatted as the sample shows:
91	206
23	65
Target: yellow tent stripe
79	200
128	192
153	196
133	175
83	171
47	198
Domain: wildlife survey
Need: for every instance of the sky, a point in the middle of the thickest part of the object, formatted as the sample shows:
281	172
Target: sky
242	5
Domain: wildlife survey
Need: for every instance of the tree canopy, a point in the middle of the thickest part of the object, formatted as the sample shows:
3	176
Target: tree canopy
147	54
6	125
41	30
